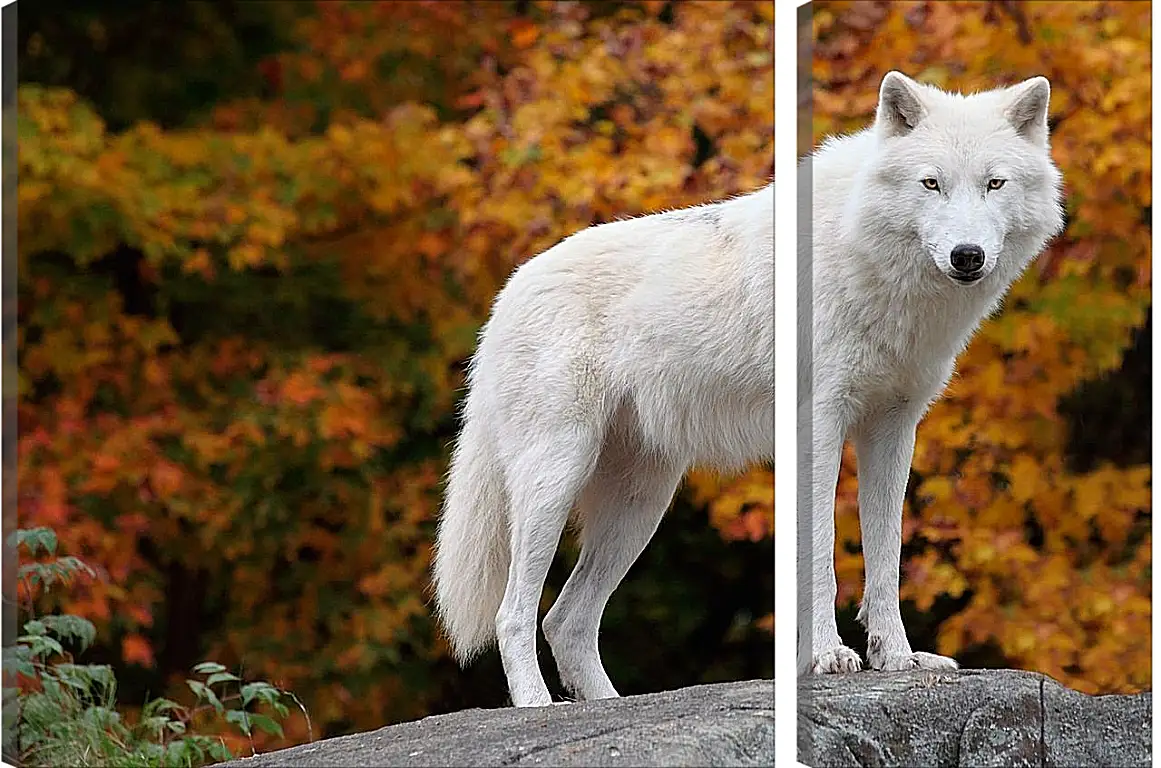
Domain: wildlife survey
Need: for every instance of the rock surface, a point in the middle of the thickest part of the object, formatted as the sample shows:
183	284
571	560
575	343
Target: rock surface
726	724
965	718
970	717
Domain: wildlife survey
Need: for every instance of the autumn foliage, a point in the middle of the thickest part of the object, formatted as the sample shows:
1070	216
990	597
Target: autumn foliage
1027	553
241	341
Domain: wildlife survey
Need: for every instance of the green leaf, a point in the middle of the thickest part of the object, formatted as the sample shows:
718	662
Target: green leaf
101	717
208	667
220	752
260	690
35	627
266	724
222	677
18	658
67	626
33	539
95	678
205	694
160	706
240	718
179	753
69	565
41	645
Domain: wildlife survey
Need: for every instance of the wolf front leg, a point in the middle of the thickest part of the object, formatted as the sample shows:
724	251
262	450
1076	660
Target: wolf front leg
884	447
820	649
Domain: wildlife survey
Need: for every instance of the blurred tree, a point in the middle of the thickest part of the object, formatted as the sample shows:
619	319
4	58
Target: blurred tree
142	60
243	322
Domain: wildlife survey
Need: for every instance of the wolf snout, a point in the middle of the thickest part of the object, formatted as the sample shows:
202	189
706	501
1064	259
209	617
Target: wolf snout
967	262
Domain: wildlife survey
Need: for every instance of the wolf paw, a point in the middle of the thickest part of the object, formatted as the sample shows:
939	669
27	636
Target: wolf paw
903	661
537	699
836	661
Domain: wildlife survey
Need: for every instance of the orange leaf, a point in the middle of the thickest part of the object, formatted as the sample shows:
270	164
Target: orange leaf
524	33
135	649
166	478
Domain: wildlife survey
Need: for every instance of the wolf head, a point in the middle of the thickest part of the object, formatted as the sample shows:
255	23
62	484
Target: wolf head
970	178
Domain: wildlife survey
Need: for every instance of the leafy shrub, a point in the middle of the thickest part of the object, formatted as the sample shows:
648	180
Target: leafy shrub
57	712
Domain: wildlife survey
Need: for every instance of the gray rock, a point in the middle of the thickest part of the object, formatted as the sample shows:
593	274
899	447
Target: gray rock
725	724
967	718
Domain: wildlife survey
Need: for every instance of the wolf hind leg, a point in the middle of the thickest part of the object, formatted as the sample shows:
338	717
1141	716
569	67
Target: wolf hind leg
543	481
621	508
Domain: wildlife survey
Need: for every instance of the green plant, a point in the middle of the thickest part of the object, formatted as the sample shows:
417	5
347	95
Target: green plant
58	712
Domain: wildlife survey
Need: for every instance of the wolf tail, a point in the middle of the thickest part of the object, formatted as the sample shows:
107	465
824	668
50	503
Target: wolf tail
472	552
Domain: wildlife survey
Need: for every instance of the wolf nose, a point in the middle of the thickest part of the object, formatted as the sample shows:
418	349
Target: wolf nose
967	259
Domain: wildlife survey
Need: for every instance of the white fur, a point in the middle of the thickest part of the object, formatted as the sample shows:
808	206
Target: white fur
612	362
889	320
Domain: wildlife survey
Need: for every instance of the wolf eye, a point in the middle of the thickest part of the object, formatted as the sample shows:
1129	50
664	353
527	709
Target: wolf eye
930	183
995	184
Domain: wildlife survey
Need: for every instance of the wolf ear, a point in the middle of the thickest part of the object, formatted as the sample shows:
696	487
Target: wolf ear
1027	109
900	106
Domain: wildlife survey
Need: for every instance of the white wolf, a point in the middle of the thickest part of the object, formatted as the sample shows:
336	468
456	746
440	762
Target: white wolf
611	363
920	224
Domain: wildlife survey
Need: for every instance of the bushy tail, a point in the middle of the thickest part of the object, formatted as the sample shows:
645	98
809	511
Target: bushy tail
471	549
